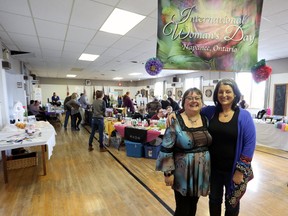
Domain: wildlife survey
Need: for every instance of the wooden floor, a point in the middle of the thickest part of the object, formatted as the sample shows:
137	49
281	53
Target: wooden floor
79	182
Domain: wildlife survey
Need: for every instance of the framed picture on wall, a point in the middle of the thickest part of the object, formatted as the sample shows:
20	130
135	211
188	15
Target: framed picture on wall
179	93
169	92
88	82
208	93
151	93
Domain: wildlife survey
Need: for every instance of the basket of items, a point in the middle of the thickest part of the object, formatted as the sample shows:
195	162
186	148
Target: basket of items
20	158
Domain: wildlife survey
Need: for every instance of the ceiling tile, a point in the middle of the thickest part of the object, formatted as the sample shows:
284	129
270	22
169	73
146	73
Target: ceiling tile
105	39
47	43
89	14
51	30
17	24
22	7
80	35
52	10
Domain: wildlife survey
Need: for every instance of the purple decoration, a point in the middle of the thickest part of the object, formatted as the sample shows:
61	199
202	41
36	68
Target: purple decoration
153	66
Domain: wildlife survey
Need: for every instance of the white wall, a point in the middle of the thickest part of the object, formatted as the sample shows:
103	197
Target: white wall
15	93
61	90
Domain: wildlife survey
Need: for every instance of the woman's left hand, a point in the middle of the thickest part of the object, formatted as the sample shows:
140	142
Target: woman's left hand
169	180
238	177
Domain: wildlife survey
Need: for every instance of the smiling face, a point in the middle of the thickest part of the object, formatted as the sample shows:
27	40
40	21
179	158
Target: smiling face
193	102
226	95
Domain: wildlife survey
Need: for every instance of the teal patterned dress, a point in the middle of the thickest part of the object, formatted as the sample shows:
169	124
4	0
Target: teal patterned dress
184	151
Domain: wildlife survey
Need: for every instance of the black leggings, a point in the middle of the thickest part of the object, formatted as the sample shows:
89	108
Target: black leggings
185	205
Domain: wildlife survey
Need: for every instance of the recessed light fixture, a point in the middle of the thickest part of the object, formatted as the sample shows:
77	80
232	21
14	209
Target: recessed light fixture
121	21
135	74
71	75
117	78
88	57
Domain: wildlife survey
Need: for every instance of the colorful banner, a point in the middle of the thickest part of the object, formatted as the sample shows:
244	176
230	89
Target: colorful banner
217	35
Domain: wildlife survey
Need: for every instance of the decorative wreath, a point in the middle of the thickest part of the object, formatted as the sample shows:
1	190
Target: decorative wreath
261	71
153	66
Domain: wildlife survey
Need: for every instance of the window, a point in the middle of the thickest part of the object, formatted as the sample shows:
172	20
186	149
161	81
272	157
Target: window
192	82
254	93
158	89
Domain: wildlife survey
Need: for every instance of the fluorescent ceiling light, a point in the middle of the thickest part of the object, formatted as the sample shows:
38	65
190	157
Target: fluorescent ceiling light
121	21
71	75
135	74
117	78
88	57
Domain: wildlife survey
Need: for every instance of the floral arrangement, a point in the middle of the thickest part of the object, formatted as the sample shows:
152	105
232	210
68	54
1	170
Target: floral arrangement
153	66
261	71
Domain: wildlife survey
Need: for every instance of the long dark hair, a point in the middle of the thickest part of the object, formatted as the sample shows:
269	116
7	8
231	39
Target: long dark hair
235	89
196	90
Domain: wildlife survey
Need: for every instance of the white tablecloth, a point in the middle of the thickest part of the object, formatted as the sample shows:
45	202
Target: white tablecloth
268	135
44	135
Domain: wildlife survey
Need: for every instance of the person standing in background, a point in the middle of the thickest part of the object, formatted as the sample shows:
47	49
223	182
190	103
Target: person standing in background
67	112
127	102
119	101
74	105
164	102
98	109
243	103
174	104
83	100
184	157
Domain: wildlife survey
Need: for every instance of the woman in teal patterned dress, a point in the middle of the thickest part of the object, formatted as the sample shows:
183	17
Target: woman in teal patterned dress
184	156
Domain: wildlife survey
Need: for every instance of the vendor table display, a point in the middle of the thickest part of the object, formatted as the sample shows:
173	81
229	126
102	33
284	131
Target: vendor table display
12	137
269	135
54	113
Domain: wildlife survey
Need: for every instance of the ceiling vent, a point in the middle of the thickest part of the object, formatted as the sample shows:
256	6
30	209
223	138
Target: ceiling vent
21	54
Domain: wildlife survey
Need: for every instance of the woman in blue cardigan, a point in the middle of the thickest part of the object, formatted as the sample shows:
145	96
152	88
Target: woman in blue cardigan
233	144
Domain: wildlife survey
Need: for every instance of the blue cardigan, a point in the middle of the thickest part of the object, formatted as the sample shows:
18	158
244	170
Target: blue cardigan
246	139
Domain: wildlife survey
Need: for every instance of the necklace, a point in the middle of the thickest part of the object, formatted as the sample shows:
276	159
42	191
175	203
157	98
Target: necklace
192	121
225	115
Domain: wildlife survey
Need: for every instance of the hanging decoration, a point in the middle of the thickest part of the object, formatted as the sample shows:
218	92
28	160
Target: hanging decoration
260	71
153	66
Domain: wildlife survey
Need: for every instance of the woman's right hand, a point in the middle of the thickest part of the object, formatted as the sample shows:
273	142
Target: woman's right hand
169	180
169	119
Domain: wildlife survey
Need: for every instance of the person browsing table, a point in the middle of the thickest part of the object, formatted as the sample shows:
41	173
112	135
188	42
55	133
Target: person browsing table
99	109
184	157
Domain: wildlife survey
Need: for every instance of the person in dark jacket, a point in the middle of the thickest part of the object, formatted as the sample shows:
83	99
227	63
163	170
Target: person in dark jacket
152	107
174	104
165	102
127	102
67	112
